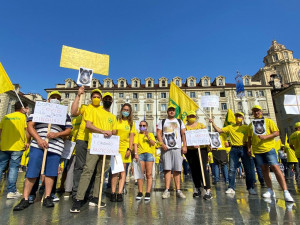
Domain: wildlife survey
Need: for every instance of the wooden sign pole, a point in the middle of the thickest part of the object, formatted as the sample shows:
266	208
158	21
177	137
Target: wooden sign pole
201	166
101	182
45	151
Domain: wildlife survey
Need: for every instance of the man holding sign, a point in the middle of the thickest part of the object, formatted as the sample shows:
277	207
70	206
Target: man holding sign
262	132
55	148
97	121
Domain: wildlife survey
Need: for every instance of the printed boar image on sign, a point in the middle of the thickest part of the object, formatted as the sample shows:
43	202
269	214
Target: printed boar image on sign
85	76
215	141
259	127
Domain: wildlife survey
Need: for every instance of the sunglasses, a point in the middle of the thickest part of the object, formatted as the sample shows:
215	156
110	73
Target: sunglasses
143	125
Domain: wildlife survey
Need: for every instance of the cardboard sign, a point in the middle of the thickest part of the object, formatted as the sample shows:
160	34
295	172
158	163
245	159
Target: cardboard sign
137	168
85	76
259	127
197	137
292	104
45	112
101	145
215	140
75	58
68	149
210	101
116	164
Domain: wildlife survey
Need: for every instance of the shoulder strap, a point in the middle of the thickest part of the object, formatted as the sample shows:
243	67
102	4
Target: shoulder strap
162	124
179	121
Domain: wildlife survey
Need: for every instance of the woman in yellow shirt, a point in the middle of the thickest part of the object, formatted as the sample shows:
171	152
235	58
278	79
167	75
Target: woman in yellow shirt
126	130
144	152
194	162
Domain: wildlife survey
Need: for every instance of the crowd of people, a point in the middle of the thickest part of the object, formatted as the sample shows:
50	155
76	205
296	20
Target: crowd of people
242	150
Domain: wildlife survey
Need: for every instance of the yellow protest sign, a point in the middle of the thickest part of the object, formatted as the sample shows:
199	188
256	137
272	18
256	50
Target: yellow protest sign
5	83
74	58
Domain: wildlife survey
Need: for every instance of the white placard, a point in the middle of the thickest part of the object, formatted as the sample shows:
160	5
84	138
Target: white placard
137	168
197	137
215	140
291	105
101	145
85	76
116	164
259	127
210	101
45	112
68	149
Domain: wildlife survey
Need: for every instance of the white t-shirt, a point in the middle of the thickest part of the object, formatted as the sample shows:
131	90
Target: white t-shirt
171	132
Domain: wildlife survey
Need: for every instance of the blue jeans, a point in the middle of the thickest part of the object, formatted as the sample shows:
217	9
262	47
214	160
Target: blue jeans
234	155
217	172
14	159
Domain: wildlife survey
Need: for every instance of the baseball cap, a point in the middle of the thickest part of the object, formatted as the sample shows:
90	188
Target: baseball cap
171	106
256	107
191	113
239	113
297	124
107	94
54	93
97	90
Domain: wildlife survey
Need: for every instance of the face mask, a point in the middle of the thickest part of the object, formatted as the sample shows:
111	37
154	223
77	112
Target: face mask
260	116
96	101
192	120
107	104
125	114
238	120
143	128
55	101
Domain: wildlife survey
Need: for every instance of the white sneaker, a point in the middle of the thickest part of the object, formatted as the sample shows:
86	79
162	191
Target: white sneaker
252	191
269	194
288	197
230	191
166	194
13	195
179	194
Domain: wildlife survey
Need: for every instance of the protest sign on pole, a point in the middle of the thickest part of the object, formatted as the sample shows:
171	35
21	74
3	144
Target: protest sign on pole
292	104
85	76
210	101
68	149
197	137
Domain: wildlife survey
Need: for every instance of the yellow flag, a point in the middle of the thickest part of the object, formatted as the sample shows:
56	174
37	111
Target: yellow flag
74	58
286	141
182	102
230	118
5	83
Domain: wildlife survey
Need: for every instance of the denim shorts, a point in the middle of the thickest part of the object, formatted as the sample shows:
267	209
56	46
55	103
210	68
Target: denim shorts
36	160
146	157
267	158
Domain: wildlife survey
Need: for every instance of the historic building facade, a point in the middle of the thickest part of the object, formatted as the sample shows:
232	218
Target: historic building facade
149	99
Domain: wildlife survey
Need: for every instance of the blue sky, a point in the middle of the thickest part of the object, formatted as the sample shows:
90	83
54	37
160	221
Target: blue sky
143	38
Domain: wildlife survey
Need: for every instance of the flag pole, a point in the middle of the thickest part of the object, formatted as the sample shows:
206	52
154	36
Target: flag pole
19	98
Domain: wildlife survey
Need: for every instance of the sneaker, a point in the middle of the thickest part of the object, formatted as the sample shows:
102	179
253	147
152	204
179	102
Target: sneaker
13	195
31	199
48	202
207	195
252	191
197	193
139	196
288	197
113	197
94	202
119	198
22	205
54	198
270	193
230	191
76	206
67	194
147	196
179	194
166	194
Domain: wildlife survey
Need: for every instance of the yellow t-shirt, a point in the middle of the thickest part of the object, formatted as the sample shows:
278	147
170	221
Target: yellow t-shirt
295	141
102	120
263	146
13	135
144	145
223	137
197	127
210	157
290	153
123	130
83	133
157	147
76	122
237	134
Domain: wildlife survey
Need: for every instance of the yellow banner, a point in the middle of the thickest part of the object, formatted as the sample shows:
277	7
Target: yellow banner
74	58
5	83
182	102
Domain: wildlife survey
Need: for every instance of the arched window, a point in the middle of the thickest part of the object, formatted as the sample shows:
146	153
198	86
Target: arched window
149	83
69	84
177	83
247	82
163	83
122	84
107	83
220	82
94	84
205	82
135	83
191	83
